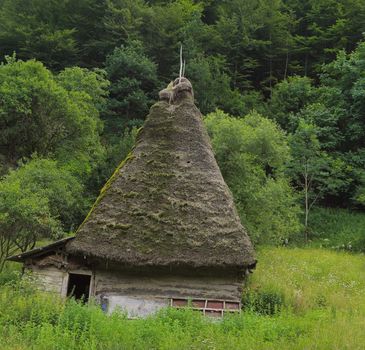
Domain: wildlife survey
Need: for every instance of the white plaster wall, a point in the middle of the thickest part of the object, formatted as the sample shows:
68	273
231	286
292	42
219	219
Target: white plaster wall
135	306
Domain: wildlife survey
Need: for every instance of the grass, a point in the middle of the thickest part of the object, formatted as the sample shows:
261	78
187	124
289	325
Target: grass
339	229
297	299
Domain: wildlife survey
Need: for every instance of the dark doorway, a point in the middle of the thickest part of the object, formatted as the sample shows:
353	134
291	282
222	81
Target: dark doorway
79	286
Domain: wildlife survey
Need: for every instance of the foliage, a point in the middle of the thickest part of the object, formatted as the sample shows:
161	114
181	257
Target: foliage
300	63
38	200
212	86
35	30
115	153
262	42
25	216
264	302
91	82
333	110
252	152
64	191
39	115
338	229
288	98
313	170
133	80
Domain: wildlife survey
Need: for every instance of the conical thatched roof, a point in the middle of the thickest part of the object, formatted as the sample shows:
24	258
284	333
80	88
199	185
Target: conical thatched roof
167	203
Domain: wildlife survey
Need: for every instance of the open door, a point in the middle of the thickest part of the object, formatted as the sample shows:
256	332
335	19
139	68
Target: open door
79	286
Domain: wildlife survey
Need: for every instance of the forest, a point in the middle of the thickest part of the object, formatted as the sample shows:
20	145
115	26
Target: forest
281	86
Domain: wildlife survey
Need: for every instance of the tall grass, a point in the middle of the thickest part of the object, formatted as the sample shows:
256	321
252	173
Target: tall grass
339	229
318	299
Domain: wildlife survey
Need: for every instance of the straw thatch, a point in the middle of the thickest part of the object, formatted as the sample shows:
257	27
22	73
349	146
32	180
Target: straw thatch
167	203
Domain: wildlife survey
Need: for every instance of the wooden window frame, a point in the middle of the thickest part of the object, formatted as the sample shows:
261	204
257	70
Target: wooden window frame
78	272
209	309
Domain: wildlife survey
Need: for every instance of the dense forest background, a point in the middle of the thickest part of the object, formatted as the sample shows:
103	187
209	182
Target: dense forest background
281	84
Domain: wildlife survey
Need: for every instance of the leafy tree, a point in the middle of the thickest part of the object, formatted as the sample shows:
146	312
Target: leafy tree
345	74
91	82
314	171
64	191
324	28
288	99
39	115
36	29
169	25
115	153
40	199
212	88
133	78
251	153
24	218
256	39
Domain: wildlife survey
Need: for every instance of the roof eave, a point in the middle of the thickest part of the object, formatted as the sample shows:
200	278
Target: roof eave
39	250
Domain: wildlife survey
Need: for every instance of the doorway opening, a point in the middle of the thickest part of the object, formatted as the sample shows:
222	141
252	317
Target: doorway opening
79	286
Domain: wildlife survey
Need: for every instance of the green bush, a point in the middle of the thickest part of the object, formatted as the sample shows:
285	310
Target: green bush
263	302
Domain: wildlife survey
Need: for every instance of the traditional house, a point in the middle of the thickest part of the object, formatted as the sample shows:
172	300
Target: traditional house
164	229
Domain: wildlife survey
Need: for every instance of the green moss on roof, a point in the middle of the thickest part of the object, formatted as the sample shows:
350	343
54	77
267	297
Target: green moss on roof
167	203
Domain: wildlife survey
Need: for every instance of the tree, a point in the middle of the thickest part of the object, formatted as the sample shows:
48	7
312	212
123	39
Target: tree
37	29
212	88
115	153
63	190
133	78
92	82
50	116
288	99
312	169
252	152
40	199
256	39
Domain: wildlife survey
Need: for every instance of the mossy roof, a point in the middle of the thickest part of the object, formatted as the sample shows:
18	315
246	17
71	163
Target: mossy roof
167	203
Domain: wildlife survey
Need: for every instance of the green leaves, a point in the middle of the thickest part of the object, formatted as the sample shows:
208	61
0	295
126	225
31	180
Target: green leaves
133	78
46	116
53	116
252	153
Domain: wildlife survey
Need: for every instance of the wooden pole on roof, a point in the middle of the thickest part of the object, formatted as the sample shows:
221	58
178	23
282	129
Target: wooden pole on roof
181	64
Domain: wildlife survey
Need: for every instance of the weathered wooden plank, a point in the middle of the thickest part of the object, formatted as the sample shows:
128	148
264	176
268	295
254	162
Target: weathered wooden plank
49	279
167	286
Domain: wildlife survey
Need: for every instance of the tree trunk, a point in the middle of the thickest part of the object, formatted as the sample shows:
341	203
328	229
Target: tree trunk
306	199
286	64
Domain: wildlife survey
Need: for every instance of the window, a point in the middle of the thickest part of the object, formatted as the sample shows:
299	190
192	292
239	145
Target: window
79	286
214	308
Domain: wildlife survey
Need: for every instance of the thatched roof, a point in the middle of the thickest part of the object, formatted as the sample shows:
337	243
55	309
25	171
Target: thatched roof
167	204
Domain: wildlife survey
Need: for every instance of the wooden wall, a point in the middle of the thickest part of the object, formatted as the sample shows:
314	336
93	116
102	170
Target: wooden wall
226	288
51	279
140	295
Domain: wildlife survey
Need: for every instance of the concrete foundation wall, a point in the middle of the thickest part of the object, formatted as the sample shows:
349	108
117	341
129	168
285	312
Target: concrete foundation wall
135	306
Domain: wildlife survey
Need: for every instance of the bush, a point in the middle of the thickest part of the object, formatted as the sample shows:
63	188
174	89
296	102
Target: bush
263	302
